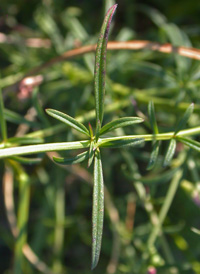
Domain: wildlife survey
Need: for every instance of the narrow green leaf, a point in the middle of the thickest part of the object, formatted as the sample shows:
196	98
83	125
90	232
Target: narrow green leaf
189	142
25	140
184	119
121	122
154	155
2	118
100	66
123	143
75	160
152	117
26	161
16	118
195	230
170	152
91	154
68	120
98	209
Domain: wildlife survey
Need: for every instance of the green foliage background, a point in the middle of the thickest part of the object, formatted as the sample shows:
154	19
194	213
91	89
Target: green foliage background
59	226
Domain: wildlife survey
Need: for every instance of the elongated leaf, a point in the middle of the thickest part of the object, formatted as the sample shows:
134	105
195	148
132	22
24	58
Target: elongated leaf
98	209
3	126
121	122
25	140
189	142
68	120
170	152
154	155
26	161
152	117
123	143
100	66
91	154
75	160
184	119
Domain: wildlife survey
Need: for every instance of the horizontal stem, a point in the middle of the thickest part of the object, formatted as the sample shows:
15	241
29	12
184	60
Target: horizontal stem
151	137
23	150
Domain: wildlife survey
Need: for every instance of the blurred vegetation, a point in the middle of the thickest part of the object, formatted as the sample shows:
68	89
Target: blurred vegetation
57	201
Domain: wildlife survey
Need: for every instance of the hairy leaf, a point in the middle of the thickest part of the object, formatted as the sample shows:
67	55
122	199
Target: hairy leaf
91	154
68	120
98	209
100	66
121	122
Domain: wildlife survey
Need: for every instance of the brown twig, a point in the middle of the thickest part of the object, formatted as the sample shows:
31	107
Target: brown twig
127	45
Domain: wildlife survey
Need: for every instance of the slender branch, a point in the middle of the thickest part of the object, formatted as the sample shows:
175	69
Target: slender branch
32	149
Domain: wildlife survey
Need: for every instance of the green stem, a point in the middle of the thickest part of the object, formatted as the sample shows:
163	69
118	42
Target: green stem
165	208
23	209
23	150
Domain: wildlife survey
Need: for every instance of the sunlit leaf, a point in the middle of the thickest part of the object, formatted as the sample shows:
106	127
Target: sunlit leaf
70	161
170	152
68	120
100	66
25	140
121	122
98	209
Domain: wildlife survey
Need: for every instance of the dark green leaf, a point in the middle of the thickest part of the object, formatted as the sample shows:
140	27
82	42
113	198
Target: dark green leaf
68	120
98	209
121	122
123	143
100	66
152	117
26	161
185	118
2	118
154	155
75	160
189	142
170	152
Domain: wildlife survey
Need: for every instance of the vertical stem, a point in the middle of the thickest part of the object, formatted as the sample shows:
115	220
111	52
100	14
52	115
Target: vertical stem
59	228
165	208
2	118
22	218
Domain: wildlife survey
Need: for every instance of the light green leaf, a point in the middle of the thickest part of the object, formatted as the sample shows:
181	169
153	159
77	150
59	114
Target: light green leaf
189	142
154	155
25	140
98	209
121	122
75	160
170	152
68	120
122	143
152	117
100	66
184	119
